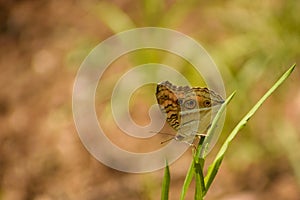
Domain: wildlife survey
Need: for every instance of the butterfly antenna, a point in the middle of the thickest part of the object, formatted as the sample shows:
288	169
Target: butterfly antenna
162	133
165	134
167	140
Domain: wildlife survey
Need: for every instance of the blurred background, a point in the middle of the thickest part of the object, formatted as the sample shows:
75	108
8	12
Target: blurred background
42	45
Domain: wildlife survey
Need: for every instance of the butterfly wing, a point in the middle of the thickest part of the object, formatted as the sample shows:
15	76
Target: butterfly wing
188	109
168	103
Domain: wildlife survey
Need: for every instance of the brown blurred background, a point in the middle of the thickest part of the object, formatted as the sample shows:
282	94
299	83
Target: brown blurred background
42	45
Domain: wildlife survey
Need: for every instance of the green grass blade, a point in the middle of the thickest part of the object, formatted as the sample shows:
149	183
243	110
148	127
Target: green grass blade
166	183
187	181
191	171
214	167
200	186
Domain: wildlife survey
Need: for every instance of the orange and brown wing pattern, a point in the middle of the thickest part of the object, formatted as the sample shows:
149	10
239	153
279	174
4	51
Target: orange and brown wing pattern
168	103
207	98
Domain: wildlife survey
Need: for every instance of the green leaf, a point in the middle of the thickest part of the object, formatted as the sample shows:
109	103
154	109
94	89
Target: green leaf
214	167
197	158
187	181
200	186
166	183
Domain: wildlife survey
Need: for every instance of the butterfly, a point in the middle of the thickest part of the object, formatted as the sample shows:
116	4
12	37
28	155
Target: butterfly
188	110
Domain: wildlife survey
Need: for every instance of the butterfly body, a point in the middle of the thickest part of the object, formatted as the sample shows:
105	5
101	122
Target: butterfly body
188	110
